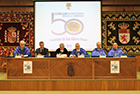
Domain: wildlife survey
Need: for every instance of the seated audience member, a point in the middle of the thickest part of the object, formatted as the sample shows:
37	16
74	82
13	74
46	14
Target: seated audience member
42	50
22	50
61	50
78	51
115	51
98	51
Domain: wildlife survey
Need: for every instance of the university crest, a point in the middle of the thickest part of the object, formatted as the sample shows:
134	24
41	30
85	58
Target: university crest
124	33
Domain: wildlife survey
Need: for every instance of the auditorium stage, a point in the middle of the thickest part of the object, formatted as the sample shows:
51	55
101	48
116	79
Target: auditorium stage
68	84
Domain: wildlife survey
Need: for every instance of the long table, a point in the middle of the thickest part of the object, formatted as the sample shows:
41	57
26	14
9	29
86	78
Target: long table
71	68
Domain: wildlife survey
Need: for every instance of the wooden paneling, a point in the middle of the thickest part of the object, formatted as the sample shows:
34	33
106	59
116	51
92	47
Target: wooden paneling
71	68
16	6
16	9
71	85
127	68
107	5
51	68
15	69
82	68
138	63
120	8
2	60
120	2
16	2
120	5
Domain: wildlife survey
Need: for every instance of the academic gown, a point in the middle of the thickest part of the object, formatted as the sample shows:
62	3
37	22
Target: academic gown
97	52
82	51
115	53
25	51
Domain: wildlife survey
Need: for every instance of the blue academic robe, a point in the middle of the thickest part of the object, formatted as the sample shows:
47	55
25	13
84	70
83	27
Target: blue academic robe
115	53
25	51
82	51
97	52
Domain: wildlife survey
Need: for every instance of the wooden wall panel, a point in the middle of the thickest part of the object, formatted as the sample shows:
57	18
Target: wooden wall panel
16	2
120	8
107	5
16	5
120	5
16	9
119	2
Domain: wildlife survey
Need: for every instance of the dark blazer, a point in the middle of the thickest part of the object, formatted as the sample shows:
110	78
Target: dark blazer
44	51
64	52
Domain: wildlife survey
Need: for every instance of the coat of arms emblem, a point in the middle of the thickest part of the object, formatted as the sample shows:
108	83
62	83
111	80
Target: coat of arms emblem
124	33
70	69
11	34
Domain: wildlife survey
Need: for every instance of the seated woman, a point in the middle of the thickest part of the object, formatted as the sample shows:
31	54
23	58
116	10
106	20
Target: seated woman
61	50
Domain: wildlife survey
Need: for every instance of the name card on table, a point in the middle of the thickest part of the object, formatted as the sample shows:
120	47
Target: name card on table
40	56
123	56
17	56
27	67
81	56
114	66
102	56
61	56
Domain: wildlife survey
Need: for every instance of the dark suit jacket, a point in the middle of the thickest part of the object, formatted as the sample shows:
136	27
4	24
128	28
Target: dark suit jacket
44	51
64	52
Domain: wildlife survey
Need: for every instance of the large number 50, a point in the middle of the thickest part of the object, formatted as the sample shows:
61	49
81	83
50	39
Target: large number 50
65	26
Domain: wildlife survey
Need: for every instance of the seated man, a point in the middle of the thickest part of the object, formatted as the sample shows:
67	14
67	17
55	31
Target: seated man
61	50
42	50
115	51
78	51
98	51
22	50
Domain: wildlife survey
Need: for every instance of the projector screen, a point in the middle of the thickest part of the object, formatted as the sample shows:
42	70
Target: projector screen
68	22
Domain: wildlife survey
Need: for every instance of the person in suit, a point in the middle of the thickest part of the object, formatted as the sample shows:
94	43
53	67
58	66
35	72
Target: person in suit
42	50
115	51
78	51
22	50
98	51
61	50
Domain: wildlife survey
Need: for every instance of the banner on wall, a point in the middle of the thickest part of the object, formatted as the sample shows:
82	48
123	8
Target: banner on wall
27	66
15	27
122	28
114	66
